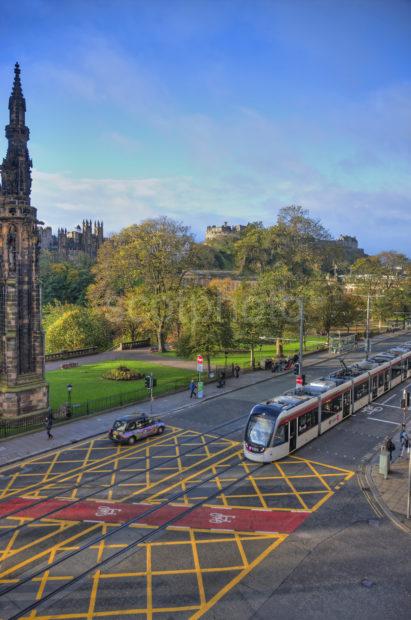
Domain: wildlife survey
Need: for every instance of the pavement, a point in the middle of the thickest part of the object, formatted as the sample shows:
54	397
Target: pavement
390	494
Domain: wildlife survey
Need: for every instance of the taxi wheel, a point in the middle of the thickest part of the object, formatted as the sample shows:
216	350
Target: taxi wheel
160	430
131	440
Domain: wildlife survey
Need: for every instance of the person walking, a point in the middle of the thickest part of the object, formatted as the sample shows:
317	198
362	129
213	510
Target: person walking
404	441
193	388
390	447
49	424
236	371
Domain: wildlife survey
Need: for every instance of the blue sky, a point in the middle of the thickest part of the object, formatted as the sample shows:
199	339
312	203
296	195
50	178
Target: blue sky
212	110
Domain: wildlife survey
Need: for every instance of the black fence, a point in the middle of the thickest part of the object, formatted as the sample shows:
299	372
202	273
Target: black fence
134	344
88	407
62	355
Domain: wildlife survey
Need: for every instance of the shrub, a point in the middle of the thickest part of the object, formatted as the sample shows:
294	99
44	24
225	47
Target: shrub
122	373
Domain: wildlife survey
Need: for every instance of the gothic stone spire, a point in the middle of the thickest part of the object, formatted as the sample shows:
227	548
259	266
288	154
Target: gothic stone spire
16	167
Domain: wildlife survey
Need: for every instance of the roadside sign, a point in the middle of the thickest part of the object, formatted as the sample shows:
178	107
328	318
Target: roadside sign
200	389
199	363
299	380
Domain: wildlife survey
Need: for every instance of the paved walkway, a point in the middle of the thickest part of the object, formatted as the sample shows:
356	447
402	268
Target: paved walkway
145	355
392	493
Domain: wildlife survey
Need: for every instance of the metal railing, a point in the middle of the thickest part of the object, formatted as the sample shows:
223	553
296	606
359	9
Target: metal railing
62	355
88	407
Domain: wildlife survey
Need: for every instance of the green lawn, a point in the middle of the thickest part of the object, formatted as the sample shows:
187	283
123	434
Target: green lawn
261	352
88	383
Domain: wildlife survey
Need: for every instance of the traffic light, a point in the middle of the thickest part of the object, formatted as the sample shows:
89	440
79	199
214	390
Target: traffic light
297	368
154	380
147	381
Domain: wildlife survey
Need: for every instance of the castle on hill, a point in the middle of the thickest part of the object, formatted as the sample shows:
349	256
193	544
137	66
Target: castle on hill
67	245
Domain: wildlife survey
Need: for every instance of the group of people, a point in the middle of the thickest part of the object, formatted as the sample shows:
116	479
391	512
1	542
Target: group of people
193	386
281	364
389	445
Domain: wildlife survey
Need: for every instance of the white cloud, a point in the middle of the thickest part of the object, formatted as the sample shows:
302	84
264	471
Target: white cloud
64	201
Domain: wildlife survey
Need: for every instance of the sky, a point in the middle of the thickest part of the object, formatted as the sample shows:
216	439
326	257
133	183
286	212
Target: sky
215	110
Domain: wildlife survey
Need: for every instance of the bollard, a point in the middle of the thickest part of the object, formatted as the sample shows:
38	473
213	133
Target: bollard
384	463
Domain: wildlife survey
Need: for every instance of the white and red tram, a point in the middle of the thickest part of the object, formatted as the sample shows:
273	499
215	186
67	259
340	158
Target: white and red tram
286	423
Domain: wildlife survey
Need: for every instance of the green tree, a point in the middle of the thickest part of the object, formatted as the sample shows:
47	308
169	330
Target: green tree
78	328
152	259
330	306
205	322
64	282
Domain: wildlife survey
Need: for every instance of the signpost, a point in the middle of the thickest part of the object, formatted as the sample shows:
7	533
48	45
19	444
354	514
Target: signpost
200	384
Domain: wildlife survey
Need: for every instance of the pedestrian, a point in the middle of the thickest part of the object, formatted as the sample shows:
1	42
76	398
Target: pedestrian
404	441
390	446
221	379
236	371
49	424
193	388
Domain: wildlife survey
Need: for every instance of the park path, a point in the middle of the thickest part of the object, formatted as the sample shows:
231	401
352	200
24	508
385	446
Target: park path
139	355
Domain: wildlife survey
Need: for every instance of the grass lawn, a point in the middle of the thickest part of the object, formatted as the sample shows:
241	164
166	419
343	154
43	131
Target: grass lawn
261	352
88	383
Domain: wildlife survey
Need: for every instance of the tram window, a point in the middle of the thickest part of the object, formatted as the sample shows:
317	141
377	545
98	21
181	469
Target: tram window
331	407
281	435
380	380
361	390
395	371
307	421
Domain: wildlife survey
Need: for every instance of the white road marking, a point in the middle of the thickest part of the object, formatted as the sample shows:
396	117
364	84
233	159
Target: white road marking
388	399
386	421
393	406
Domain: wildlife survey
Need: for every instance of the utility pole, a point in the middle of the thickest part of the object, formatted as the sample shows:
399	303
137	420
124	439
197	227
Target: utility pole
367	329
409	489
301	301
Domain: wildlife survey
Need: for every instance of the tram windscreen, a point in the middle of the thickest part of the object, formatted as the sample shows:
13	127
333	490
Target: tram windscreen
259	430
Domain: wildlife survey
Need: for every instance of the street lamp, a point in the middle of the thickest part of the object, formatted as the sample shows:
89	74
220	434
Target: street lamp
69	388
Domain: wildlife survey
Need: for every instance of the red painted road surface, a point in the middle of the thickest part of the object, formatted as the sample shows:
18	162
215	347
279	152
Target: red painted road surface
238	519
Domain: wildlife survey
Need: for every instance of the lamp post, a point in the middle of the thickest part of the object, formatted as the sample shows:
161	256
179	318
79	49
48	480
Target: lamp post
69	388
367	330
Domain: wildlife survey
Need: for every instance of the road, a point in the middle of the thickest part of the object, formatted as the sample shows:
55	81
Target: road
180	526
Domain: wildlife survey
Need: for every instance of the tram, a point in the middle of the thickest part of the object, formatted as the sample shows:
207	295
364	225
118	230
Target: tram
285	423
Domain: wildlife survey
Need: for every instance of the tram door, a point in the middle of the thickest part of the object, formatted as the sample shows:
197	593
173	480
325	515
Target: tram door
293	434
346	404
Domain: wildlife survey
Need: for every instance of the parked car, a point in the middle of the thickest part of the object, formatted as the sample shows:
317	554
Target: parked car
129	428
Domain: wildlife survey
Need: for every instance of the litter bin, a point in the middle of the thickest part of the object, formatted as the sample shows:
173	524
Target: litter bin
384	463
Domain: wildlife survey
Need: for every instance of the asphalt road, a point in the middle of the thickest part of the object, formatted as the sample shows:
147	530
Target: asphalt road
294	539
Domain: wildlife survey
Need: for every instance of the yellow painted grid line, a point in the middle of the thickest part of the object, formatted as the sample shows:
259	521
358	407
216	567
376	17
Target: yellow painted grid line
57	546
292	487
67	475
149	581
185	470
237	578
197	566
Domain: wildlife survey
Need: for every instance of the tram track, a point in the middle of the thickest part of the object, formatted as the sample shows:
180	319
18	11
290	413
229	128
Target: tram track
122	469
209	464
122	552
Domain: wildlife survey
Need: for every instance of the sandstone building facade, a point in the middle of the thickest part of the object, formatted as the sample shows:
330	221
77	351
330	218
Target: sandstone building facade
23	389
